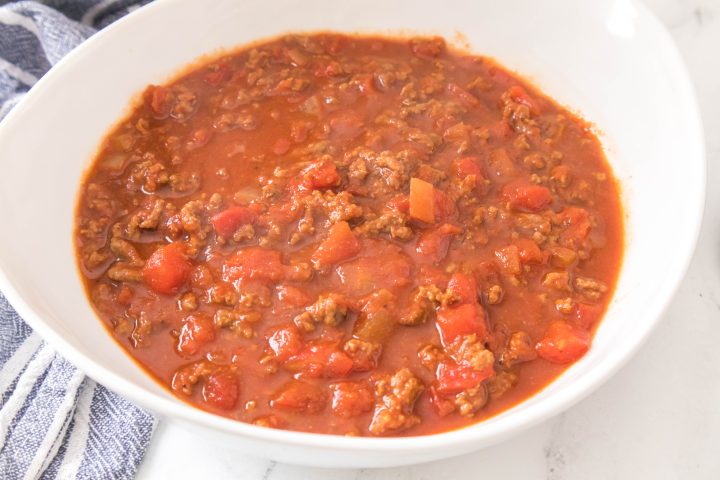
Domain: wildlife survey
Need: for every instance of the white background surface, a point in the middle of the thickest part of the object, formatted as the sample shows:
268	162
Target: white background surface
659	418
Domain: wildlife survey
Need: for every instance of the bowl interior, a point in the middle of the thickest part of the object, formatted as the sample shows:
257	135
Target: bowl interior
613	63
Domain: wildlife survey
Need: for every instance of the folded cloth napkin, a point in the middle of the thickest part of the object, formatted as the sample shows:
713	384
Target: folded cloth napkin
54	422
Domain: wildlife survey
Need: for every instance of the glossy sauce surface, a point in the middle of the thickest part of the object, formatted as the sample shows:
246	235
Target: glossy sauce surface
351	235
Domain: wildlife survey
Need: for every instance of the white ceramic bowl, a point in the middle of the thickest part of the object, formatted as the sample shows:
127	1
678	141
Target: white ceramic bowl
611	61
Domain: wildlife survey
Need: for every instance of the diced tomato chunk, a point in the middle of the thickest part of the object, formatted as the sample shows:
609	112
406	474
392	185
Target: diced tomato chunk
444	206
221	390
317	176
529	251
563	343
429	275
464	286
460	320
292	296
453	378
159	100
466	316
469	166
365	359
585	316
444	405
167	269
321	359
509	258
300	397
518	94
434	244
526	196
338	364
229	220
500	130
350	399
399	203
253	263
197	331
577	227
341	244
284	342
282	213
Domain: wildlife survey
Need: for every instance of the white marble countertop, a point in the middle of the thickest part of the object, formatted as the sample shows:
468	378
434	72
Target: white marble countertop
658	418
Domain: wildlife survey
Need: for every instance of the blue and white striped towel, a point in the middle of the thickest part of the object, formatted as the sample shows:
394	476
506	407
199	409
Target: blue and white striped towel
54	422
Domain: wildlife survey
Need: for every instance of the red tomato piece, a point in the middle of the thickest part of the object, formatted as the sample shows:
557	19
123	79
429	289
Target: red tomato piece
453	378
577	227
338	364
509	258
197	331
366	360
463	318
350	399
434	244
341	244
321	359
399	203
444	405
500	130
167	269
585	316
284	342
529	251
444	206
518	94
221	390
292	296
283	213
460	320
563	343
429	275
159	100
253	263
300	397
320	175
465	286
469	166
229	220
526	196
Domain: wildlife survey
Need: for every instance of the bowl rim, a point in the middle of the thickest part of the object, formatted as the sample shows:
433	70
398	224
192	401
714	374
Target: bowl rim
169	407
